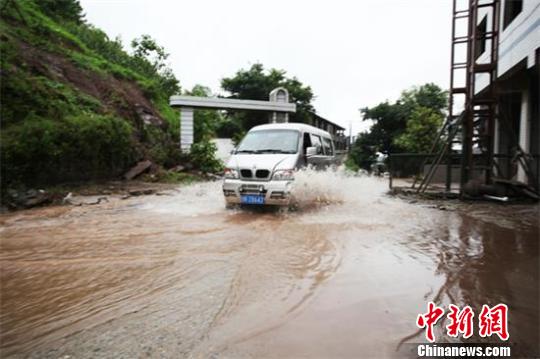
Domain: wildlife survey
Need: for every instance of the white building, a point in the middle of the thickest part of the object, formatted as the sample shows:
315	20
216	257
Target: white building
517	83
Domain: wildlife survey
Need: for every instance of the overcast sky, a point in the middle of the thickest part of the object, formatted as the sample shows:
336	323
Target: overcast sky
352	53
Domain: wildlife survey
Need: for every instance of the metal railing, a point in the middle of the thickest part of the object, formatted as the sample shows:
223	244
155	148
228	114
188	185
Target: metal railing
411	168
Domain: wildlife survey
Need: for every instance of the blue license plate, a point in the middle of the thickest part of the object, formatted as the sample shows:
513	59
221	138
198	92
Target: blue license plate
252	199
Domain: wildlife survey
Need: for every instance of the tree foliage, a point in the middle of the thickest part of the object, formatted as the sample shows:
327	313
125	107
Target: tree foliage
429	96
420	132
390	120
256	83
363	150
407	125
151	59
63	10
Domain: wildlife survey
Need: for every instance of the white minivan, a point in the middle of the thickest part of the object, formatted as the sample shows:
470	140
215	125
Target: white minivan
262	167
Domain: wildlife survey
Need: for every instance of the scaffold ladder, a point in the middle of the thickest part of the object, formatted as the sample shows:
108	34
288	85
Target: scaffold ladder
476	120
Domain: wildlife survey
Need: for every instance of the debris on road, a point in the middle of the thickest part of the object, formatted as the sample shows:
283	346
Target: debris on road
178	168
27	199
138	169
140	192
69	199
213	176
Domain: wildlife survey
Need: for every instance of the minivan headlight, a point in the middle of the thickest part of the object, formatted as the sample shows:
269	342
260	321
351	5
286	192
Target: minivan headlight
283	175
230	173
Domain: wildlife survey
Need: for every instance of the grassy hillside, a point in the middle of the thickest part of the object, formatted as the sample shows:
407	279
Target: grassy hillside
75	105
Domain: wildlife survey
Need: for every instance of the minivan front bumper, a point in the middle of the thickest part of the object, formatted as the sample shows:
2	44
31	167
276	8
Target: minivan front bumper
275	192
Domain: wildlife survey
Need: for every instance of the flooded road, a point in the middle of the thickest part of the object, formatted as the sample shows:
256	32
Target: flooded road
177	275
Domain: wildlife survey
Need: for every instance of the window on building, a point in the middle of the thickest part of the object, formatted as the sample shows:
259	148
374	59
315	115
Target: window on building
512	8
480	46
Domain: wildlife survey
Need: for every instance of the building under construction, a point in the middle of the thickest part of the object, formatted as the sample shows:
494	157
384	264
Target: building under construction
492	134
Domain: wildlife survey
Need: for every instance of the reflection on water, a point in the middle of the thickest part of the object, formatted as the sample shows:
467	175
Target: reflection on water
484	262
179	275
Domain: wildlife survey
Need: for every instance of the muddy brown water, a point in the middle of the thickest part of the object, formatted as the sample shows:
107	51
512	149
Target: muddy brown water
180	276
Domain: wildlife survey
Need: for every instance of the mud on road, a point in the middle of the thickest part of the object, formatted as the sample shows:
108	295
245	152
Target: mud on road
180	276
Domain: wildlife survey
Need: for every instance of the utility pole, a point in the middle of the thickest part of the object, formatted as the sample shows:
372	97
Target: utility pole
350	134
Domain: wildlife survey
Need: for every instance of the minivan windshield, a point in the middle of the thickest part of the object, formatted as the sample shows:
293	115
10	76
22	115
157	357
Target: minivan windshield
270	141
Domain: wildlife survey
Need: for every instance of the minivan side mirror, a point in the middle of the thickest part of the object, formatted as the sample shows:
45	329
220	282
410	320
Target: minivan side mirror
311	151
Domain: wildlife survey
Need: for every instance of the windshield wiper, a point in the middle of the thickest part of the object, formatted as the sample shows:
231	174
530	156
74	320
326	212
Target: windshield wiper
246	151
272	150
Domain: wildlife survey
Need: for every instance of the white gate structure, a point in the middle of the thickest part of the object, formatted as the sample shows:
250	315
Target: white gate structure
278	106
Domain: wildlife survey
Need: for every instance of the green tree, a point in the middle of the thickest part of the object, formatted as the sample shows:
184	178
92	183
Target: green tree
389	121
150	59
62	10
422	126
363	150
428	96
256	84
407	125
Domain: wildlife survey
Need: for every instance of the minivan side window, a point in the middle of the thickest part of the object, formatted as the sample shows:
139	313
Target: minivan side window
327	144
307	142
316	142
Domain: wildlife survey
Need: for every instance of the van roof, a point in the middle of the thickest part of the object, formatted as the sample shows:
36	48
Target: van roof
292	126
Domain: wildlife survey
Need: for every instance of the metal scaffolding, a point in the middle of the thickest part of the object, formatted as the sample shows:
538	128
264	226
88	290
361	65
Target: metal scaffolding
472	127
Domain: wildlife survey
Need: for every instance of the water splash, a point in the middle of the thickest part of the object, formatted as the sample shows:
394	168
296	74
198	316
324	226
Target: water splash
314	189
191	200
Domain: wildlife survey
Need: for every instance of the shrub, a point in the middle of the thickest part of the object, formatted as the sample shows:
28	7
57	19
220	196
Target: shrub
351	165
161	149
40	150
203	155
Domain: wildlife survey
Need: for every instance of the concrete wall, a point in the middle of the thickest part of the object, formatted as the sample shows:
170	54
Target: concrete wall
224	148
439	176
186	128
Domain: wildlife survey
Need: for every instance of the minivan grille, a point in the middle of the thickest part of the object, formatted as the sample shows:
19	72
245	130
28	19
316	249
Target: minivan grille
246	173
252	189
262	174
